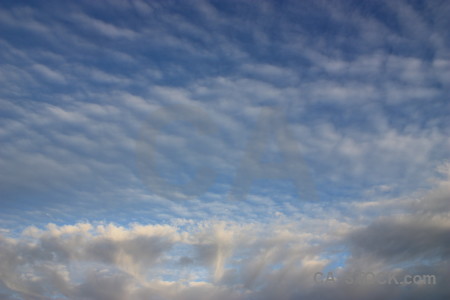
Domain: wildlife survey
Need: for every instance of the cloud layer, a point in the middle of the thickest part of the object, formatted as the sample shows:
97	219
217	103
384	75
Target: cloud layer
216	259
110	110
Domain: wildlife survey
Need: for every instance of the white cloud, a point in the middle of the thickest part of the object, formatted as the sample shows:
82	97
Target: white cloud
223	259
367	107
104	27
49	73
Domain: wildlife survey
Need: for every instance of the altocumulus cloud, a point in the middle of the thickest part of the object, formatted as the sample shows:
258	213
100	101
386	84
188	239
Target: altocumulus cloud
364	86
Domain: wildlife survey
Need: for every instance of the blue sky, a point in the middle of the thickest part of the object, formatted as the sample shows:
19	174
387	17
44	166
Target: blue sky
309	124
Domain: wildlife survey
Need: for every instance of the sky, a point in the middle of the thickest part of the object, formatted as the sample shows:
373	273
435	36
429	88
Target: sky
231	149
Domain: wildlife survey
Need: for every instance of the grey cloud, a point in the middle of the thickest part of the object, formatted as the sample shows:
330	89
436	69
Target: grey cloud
222	260
420	233
399	241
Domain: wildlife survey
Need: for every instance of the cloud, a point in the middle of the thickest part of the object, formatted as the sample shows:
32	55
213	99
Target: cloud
130	85
224	259
399	240
271	259
221	259
48	73
84	85
104	28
